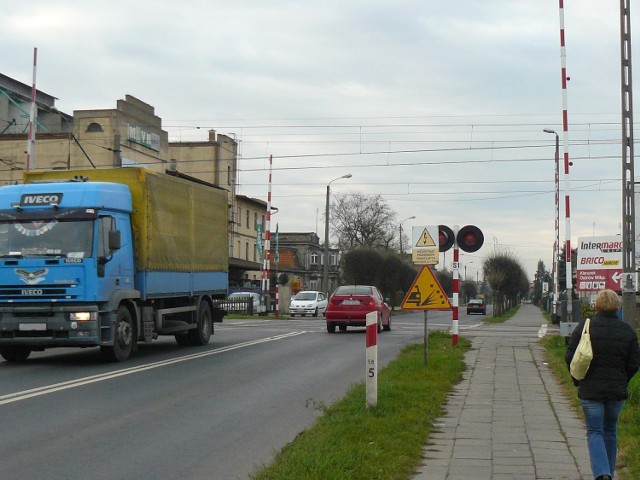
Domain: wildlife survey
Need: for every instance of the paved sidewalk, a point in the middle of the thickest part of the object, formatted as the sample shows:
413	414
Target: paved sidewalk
508	418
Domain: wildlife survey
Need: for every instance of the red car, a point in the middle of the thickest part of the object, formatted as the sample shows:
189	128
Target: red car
349	305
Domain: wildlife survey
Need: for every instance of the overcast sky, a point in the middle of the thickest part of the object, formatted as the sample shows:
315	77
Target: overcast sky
437	106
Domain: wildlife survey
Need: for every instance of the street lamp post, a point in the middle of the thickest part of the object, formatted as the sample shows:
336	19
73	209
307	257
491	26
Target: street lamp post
409	218
465	270
556	245
325	270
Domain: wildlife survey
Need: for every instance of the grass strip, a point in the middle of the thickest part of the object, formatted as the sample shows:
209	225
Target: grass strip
504	317
628	465
349	442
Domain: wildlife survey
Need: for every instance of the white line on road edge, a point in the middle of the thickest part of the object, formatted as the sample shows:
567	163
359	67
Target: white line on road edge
35	392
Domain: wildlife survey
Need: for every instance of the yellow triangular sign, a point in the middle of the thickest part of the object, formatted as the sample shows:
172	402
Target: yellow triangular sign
425	240
426	293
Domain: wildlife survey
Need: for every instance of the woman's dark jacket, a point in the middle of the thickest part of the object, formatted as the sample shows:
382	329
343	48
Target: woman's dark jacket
616	358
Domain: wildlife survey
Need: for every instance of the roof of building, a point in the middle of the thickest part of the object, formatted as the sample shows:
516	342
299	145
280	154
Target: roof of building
288	259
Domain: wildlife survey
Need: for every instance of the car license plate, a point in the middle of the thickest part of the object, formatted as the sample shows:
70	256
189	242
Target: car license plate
350	302
32	326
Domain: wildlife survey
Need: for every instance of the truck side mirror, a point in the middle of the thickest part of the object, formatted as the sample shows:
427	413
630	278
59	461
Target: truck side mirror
114	240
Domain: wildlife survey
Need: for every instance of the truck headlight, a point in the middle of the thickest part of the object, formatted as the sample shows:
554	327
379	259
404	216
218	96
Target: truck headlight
83	316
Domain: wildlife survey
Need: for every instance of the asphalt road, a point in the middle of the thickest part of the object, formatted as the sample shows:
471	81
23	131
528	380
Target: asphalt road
213	412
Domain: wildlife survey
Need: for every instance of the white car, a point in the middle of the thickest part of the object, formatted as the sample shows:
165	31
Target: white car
237	302
308	303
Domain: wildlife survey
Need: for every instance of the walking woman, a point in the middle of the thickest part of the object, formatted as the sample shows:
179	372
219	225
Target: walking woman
603	391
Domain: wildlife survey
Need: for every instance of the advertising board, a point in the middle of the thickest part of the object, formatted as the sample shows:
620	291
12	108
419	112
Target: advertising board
599	263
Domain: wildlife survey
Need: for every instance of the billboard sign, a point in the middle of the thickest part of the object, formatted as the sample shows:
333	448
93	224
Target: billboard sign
599	263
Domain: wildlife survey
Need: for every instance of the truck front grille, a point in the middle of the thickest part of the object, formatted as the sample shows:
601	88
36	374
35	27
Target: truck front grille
38	293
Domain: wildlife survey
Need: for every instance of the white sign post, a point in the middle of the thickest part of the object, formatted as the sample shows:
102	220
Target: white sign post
372	360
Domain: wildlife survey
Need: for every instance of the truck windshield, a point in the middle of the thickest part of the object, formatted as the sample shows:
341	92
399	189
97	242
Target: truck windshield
71	239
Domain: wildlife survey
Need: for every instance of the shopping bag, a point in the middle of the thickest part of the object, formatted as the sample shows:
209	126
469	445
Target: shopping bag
583	355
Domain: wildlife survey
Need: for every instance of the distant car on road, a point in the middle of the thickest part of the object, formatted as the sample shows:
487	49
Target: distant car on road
239	302
476	305
349	305
308	303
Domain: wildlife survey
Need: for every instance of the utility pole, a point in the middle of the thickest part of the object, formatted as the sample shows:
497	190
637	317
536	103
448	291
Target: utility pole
628	197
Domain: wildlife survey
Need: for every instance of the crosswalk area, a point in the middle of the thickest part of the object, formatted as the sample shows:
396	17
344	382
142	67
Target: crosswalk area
399	326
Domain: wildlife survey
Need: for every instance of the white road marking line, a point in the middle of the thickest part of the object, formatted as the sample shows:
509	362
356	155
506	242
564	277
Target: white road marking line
35	392
543	330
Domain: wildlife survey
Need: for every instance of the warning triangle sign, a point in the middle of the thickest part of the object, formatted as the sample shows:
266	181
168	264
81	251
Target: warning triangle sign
425	239
426	293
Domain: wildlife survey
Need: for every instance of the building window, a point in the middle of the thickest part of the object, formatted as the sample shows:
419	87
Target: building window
248	212
246	253
255	253
255	220
263	222
228	175
239	249
332	259
94	127
239	217
314	258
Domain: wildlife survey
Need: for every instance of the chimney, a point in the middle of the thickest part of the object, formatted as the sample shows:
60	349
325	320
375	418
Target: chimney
212	135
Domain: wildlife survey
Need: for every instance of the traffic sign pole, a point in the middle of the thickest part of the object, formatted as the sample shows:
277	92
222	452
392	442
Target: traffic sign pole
426	338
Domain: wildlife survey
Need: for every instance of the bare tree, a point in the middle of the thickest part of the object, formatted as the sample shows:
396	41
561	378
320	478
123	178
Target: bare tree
360	220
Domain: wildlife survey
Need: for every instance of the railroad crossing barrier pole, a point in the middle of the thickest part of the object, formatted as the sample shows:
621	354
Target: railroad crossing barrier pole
372	360
456	288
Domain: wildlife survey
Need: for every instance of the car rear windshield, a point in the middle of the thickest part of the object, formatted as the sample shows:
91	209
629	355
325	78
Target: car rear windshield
305	296
353	290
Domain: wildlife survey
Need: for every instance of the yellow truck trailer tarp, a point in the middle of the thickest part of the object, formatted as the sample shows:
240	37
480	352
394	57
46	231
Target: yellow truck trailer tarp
178	225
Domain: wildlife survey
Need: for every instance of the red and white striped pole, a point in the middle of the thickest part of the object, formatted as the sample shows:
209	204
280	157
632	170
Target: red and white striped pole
372	360
31	138
266	266
277	282
456	287
567	164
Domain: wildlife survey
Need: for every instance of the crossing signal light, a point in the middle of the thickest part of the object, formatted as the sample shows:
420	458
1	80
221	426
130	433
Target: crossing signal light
470	238
445	238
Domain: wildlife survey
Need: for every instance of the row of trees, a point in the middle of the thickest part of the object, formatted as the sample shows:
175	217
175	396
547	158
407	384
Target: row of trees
545	277
366	229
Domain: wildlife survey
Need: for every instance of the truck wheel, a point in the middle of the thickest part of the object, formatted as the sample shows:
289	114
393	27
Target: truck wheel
202	333
123	341
15	353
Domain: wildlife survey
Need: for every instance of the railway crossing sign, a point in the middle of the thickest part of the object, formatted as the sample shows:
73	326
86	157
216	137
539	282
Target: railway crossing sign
426	293
425	249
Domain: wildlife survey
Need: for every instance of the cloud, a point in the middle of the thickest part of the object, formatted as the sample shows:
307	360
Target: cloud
439	107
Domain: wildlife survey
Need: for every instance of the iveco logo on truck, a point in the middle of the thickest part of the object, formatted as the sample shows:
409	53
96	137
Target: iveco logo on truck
40	199
31	291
